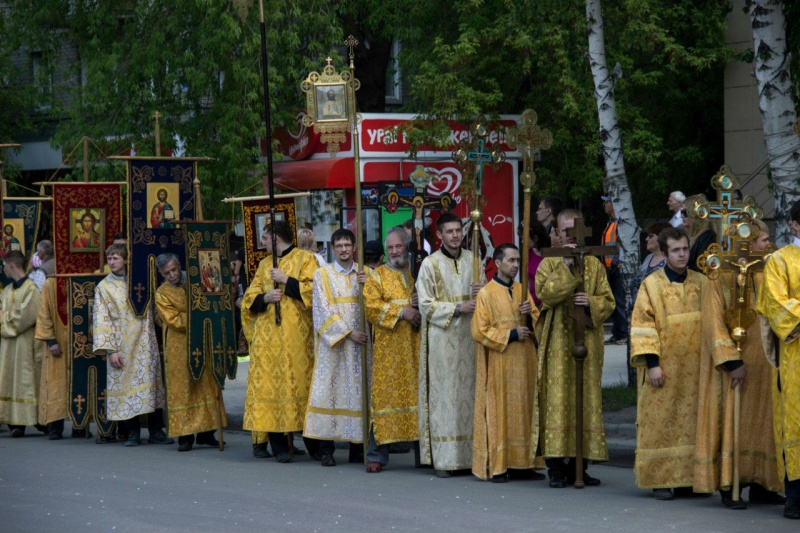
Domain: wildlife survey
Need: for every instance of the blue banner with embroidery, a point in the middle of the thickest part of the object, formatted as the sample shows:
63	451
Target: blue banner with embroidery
211	330
20	222
87	377
160	193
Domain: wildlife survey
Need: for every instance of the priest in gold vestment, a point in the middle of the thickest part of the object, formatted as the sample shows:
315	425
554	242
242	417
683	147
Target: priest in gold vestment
53	395
665	348
281	356
556	282
20	352
191	405
722	367
779	303
506	368
447	352
134	379
390	307
334	407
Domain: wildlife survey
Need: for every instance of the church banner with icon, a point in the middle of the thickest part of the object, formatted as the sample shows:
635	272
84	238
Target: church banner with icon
21	223
211	331
255	214
87	377
88	215
160	192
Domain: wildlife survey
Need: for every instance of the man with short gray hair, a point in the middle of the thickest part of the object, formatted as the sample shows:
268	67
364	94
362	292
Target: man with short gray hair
675	203
42	263
191	405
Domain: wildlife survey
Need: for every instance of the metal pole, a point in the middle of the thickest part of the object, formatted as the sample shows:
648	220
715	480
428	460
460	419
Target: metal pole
365	425
268	136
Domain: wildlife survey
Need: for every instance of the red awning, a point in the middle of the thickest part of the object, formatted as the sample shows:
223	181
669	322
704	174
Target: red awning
315	174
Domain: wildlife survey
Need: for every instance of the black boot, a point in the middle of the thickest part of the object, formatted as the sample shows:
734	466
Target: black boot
134	432
727	500
260	451
206	438
185	443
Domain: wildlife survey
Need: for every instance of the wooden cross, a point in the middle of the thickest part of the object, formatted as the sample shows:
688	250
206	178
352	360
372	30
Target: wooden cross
531	139
579	232
726	209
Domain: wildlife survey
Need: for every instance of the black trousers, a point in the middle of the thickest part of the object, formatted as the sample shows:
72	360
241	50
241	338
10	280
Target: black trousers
155	422
279	442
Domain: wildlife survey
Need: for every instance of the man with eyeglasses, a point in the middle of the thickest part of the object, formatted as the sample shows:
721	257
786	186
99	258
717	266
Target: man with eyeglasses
334	404
549	208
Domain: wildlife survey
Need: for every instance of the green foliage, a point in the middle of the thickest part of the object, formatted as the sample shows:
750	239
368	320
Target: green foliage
618	397
196	62
495	56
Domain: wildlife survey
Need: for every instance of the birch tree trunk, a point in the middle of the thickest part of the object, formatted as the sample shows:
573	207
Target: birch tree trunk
775	101
616	181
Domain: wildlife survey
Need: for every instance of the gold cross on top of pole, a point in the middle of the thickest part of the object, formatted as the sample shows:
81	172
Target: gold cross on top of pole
530	139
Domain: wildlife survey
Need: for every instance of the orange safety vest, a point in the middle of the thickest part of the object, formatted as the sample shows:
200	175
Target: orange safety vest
610	239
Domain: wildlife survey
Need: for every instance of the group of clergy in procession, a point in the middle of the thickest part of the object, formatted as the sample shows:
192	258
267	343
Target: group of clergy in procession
479	378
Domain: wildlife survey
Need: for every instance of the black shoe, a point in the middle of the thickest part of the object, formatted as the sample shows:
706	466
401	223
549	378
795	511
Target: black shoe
284	457
557	478
759	494
443	474
792	508
159	437
81	434
207	439
297	451
528	474
499	478
104	440
54	436
663	494
40	427
327	460
17	433
356	459
185	443
727	500
133	438
260	451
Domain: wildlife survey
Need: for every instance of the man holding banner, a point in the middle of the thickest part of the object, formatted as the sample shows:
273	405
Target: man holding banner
191	406
281	351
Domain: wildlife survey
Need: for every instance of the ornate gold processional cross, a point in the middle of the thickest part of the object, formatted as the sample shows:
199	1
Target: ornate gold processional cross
470	157
530	139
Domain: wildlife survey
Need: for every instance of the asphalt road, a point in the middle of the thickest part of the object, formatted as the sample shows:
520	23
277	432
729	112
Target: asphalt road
76	485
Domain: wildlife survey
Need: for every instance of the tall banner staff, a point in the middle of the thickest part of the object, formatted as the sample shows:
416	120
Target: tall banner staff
331	98
531	139
742	262
270	175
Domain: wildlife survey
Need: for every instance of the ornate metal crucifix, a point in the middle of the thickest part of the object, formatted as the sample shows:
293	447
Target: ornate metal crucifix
530	139
471	157
726	209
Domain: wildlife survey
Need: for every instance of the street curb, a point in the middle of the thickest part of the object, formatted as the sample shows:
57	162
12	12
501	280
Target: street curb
621	431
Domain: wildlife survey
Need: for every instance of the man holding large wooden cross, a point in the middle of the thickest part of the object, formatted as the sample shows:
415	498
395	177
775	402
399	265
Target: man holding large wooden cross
576	301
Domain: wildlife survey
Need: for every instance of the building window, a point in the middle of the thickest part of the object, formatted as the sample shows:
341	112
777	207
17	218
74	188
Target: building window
394	86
